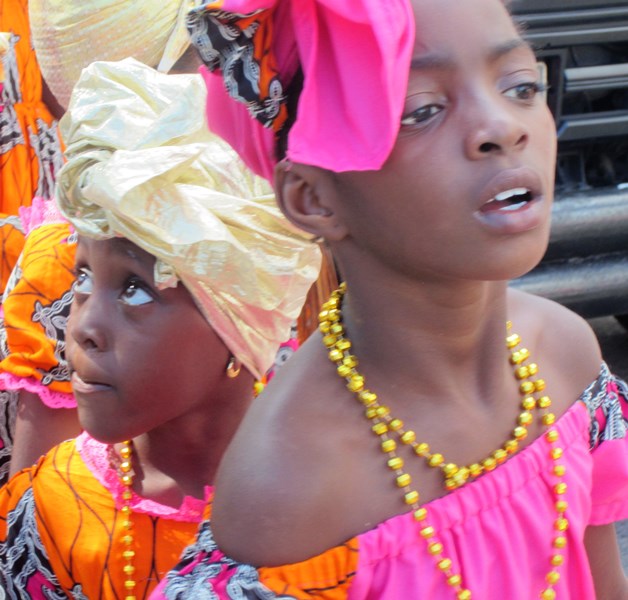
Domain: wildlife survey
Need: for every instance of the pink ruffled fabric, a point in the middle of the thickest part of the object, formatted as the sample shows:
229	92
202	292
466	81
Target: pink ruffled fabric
41	212
95	455
349	51
51	399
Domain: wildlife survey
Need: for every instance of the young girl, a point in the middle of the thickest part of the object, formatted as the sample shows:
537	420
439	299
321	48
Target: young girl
187	280
444	436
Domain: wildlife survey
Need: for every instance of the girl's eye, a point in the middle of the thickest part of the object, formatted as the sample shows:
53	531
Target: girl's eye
136	294
422	114
525	91
83	282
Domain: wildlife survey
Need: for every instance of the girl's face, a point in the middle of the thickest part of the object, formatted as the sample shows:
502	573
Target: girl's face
466	192
141	357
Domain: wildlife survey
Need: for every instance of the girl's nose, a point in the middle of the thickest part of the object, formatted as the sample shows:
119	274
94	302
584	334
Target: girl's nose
87	324
494	129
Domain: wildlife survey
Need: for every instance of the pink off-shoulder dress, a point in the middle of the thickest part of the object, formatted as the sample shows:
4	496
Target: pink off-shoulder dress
498	530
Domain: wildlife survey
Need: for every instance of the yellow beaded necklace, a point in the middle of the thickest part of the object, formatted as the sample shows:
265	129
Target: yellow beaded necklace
126	475
384	425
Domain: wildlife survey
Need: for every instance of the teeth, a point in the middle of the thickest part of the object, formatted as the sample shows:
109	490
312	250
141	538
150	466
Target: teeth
513	207
510	193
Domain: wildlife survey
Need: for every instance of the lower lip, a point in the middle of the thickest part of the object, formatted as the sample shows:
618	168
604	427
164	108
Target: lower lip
82	387
530	216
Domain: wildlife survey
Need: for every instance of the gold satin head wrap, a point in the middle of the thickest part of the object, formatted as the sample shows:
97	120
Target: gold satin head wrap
71	34
143	165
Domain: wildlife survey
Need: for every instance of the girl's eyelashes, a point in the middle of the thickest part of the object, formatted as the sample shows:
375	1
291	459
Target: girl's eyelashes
82	282
136	292
527	91
421	114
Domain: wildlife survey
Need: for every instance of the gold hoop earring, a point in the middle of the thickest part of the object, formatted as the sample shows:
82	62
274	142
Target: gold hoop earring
233	367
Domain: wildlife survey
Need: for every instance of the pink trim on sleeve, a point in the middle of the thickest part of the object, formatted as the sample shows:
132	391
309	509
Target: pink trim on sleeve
51	399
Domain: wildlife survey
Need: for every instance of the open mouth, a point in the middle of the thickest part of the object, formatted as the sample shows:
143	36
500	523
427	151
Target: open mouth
509	200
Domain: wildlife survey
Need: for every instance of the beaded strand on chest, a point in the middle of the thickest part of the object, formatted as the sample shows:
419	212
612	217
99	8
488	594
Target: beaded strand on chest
392	431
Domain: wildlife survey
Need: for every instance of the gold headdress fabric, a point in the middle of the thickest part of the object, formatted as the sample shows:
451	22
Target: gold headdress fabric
70	34
143	165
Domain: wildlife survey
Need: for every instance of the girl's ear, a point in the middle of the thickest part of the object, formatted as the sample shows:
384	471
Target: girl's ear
306	195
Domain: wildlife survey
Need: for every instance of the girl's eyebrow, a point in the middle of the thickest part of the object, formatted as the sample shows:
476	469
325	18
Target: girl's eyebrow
436	60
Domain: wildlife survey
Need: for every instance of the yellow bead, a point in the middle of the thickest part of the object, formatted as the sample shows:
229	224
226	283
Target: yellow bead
344	371
464	595
560	488
557	560
128	554
559	470
435	548
125	510
411	497
544	402
539	385
335	355
389	445
343	345
436	460
427	532
556	453
445	564
552	436
128	569
489	464
380	428
528	403
396	424
324	327
125	451
370	412
422	449
525	418
127	495
513	340
548	594
561	506
520	433
367	398
404	480
527	387
382	411
533	368
337	329
350	361
330	341
130	598
125	466
127	480
475	469
500	455
522	373
518	356
408	437
420	514
127	524
552	577
560	541
511	446
450	469
561	524
129	584
454	580
395	463
356	383
451	485
549	419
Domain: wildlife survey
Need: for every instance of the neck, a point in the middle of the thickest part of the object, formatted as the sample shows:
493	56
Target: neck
181	457
438	337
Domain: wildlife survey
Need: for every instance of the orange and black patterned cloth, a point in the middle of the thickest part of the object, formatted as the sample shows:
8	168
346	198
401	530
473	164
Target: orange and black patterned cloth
61	528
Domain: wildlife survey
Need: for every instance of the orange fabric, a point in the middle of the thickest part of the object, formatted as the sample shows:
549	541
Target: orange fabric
82	530
11	244
327	575
35	310
30	140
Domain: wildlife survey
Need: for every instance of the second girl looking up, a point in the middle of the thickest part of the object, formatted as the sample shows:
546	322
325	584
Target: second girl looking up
188	278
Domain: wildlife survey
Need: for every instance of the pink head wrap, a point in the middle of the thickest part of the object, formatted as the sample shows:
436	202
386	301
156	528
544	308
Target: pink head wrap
355	58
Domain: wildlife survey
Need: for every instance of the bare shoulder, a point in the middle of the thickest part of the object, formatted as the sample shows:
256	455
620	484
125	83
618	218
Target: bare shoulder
562	342
275	490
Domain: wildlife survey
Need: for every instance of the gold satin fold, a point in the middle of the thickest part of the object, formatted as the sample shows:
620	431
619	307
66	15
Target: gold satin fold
142	164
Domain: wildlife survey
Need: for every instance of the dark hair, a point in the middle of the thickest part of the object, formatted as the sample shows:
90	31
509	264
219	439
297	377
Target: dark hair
293	92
